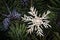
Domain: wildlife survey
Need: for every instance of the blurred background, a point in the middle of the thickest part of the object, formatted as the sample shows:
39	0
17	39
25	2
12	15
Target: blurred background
13	28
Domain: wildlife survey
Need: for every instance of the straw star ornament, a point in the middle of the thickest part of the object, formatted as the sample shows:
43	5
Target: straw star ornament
37	21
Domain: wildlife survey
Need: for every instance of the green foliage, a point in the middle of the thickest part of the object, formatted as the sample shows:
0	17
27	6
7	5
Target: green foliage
17	31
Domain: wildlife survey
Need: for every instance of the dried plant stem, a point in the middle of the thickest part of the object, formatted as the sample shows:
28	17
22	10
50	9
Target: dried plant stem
31	3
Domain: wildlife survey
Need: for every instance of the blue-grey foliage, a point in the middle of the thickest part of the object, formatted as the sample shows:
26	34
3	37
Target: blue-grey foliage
14	15
6	22
24	2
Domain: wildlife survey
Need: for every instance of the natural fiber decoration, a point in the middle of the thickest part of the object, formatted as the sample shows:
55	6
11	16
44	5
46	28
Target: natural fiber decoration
37	21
